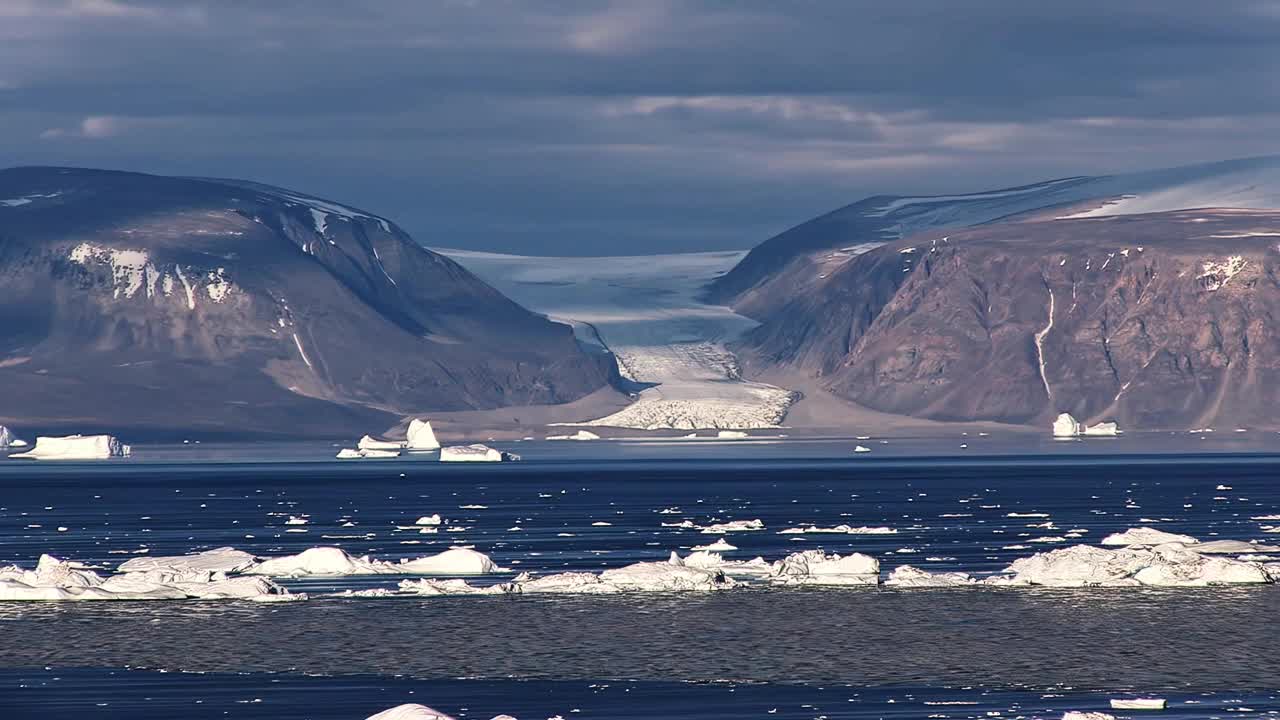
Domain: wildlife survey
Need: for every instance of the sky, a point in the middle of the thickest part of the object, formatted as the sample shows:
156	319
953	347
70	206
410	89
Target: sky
615	127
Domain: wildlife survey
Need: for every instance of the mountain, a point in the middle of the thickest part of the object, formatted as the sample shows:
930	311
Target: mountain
190	305
793	260
1015	305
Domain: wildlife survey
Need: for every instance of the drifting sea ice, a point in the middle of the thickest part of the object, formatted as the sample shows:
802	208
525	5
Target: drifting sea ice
1147	536
76	447
814	567
421	437
907	576
475	453
332	561
55	579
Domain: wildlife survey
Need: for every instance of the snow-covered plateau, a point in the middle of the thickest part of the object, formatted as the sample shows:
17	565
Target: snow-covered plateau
647	311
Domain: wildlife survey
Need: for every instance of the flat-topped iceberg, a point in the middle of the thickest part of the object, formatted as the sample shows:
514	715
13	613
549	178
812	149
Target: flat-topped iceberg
1102	428
814	567
224	560
580	435
76	447
55	579
838	530
638	577
354	454
475	453
1066	426
732	526
420	436
1079	715
411	711
1138	703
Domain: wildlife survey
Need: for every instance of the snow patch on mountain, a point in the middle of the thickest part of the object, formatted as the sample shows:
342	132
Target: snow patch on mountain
134	272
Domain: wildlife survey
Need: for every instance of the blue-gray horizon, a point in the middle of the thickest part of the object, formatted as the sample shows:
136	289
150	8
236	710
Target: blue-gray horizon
618	128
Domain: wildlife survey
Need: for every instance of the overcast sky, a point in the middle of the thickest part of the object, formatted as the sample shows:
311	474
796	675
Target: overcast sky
628	126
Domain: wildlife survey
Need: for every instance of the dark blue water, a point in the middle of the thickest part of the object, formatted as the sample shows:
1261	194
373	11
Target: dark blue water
1002	649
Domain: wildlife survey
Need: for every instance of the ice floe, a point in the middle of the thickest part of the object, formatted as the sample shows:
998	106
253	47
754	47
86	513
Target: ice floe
475	453
718	546
224	560
421	436
76	447
1138	704
368	442
732	526
55	579
1079	715
814	567
354	454
580	435
410	711
907	576
333	561
1171	565
1066	426
838	530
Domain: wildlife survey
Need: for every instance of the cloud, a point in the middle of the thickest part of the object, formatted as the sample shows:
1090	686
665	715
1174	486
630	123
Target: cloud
617	126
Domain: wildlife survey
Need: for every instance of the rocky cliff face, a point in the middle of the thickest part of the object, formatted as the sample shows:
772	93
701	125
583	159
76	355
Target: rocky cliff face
1163	320
225	306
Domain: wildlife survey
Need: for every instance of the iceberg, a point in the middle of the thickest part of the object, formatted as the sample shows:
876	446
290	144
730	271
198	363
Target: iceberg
421	437
369	442
76	447
732	526
224	560
731	435
1065	426
475	453
55	579
8	439
1102	428
1147	536
1138	704
838	530
718	546
336	562
1078	715
349	454
353	454
907	576
411	711
861	449
580	435
814	567
715	561
1171	565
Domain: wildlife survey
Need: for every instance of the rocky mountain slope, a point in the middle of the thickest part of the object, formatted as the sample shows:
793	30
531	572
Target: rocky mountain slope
795	261
190	305
1158	320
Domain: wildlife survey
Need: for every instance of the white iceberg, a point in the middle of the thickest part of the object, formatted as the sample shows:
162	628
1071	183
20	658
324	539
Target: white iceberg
1065	426
76	447
429	520
335	561
733	526
55	579
420	436
1078	715
369	442
861	449
1172	565
411	711
475	453
814	567
715	561
352	454
1138	704
1103	428
349	454
1147	536
639	577
731	435
8	439
907	576
224	560
838	530
718	546
580	435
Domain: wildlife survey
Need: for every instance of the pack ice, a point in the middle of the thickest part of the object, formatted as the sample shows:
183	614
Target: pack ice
55	579
475	453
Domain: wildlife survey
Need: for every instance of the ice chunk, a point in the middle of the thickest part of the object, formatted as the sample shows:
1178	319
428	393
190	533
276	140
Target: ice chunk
838	530
1103	428
454	561
580	435
224	560
716	547
428	520
349	454
1078	715
1065	426
55	579
369	442
76	447
352	454
733	526
731	435
421	436
1165	565
912	577
639	577
861	449
475	453
7	438
316	561
1138	704
1147	536
411	711
813	567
